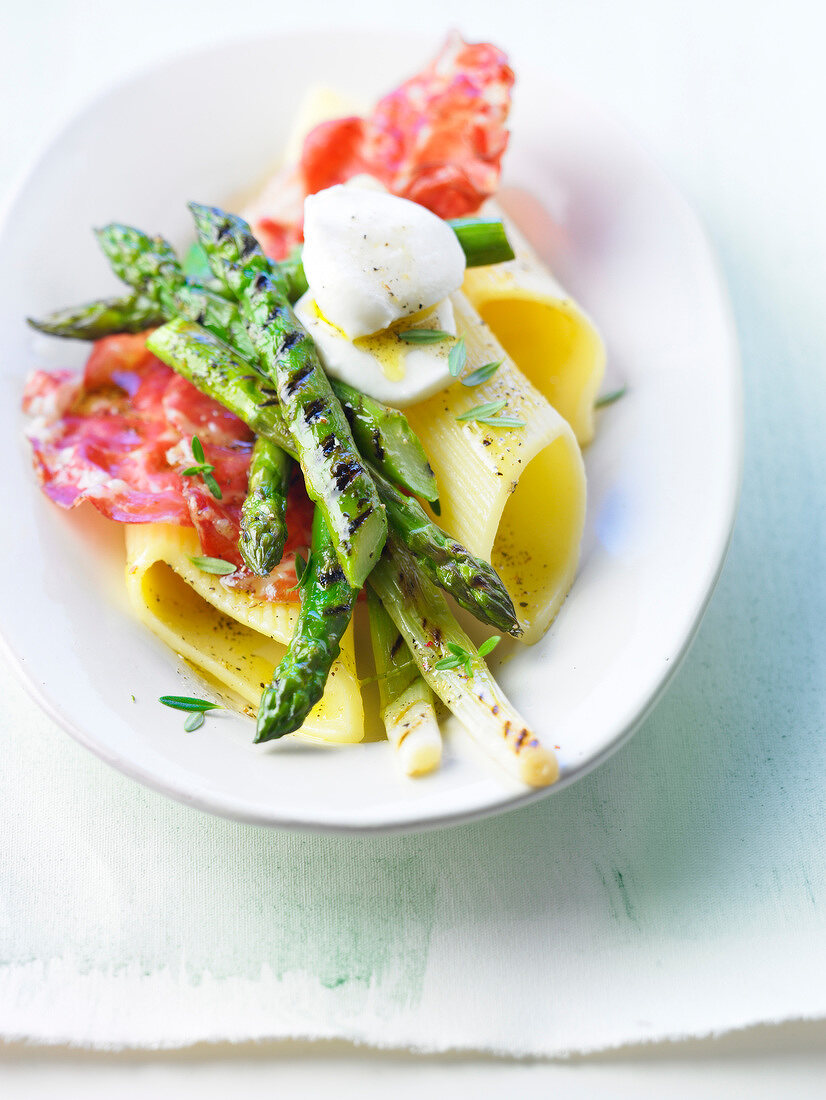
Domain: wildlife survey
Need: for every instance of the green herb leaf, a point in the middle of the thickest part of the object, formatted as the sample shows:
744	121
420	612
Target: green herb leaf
489	644
187	702
212	485
448	663
423	335
479	412
203	469
457	650
217	566
502	421
457	357
481	374
610	398
302	571
194	721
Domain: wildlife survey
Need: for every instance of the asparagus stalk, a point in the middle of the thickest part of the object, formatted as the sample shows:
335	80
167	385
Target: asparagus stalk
326	608
483	240
385	438
215	369
334	472
473	583
419	611
406	701
263	515
93	320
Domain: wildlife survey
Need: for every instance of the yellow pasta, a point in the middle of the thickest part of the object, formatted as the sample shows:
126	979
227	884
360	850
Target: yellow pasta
515	496
552	341
234	637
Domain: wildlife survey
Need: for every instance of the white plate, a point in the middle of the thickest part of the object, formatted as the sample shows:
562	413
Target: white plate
663	472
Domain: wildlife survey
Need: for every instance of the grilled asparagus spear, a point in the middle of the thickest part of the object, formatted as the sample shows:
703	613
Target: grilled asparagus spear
406	700
215	369
103	317
385	438
334	472
463	683
326	608
473	583
263	515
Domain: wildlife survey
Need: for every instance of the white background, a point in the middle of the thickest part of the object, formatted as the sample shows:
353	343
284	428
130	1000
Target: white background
729	95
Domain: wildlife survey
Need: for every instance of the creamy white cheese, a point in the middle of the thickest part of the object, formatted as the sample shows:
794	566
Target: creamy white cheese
383	365
372	258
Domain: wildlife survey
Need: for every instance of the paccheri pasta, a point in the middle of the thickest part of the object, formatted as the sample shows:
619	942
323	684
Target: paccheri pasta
266	478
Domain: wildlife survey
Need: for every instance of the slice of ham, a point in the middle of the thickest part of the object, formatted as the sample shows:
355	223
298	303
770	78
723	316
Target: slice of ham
120	437
438	139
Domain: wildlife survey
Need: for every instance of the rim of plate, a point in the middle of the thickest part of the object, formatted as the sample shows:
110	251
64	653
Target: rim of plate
717	535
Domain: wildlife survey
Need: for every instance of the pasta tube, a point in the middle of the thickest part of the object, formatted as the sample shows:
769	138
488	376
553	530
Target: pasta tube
513	496
236	638
552	341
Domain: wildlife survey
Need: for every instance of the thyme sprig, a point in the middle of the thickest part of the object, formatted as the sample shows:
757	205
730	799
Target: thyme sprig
203	469
481	374
610	398
479	412
302	571
457	357
188	703
423	335
487	414
195	709
460	656
217	566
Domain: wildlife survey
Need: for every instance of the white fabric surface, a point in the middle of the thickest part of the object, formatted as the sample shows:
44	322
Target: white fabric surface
680	889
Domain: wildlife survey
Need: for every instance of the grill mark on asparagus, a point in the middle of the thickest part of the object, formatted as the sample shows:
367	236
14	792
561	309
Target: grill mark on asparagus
314	410
297	377
359	520
377	447
290	340
331	576
338	609
328	445
248	245
394	649
345	473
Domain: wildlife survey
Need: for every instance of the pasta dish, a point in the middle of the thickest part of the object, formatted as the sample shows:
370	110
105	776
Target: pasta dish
343	432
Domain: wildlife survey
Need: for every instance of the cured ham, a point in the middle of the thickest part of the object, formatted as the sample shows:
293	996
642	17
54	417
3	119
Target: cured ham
120	436
437	139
